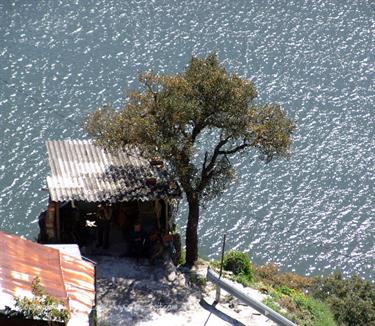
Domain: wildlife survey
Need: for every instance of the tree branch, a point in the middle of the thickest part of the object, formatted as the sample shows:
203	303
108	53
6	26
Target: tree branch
206	169
205	160
150	89
196	130
235	149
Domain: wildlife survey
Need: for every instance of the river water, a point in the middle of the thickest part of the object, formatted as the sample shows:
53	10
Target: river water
59	60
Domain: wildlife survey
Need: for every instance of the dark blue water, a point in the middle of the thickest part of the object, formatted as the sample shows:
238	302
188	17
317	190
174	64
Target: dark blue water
60	60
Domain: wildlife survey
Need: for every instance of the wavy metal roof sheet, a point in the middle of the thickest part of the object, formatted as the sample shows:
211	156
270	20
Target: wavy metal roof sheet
83	171
63	276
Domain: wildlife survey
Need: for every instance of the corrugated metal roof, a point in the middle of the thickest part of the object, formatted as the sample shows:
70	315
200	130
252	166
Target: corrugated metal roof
69	249
63	276
83	171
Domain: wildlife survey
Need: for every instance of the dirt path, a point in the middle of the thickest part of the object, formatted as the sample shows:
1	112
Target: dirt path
137	293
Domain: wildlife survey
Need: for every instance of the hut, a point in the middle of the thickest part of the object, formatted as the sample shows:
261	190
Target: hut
63	274
119	202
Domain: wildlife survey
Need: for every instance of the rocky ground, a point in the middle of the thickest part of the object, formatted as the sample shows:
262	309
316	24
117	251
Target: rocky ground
132	292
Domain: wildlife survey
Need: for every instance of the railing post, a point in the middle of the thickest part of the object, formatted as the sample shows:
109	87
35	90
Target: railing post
217	298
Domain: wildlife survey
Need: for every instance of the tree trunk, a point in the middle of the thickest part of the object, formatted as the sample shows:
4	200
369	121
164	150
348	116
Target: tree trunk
192	230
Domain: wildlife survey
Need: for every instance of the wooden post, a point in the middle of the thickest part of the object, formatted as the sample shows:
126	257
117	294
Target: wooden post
217	298
166	204
50	221
157	210
58	226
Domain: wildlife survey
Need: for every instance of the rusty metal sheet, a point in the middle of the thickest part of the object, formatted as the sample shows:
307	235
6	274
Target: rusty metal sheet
65	277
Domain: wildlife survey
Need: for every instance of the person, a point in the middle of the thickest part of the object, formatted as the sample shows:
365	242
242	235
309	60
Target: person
104	215
155	246
137	239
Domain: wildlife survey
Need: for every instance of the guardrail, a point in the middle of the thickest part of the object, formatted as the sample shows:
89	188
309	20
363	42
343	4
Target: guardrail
258	306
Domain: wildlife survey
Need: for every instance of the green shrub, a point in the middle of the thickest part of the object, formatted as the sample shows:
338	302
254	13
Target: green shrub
351	300
42	305
270	274
244	279
238	263
182	258
311	311
269	302
300	308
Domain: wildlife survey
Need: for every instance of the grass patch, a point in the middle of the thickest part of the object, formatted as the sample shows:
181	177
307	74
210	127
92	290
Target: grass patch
269	302
299	308
182	258
244	279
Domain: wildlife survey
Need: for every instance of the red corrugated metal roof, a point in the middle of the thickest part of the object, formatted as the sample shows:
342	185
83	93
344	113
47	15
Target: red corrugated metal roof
65	277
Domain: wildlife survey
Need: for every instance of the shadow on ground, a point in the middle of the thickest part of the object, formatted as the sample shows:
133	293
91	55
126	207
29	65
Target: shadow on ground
214	311
131	291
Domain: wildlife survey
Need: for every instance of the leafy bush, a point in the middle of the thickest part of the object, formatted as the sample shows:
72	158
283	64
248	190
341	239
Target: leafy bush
352	300
244	279
288	292
237	262
311	311
270	274
42	305
299	308
182	258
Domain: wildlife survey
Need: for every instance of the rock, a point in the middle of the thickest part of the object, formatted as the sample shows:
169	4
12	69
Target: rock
171	276
181	281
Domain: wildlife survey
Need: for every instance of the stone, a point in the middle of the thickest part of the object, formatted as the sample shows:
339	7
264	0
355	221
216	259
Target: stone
171	276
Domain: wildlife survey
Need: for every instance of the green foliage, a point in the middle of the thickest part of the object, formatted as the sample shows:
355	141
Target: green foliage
244	279
237	262
299	308
182	259
42	305
269	302
352	300
270	274
288	294
169	113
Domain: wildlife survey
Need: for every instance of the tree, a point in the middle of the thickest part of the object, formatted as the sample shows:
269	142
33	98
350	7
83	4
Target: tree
171	114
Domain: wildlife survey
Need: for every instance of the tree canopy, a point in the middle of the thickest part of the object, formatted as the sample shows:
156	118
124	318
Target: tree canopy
169	113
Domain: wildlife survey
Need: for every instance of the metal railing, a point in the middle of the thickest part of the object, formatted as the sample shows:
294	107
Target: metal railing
258	306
